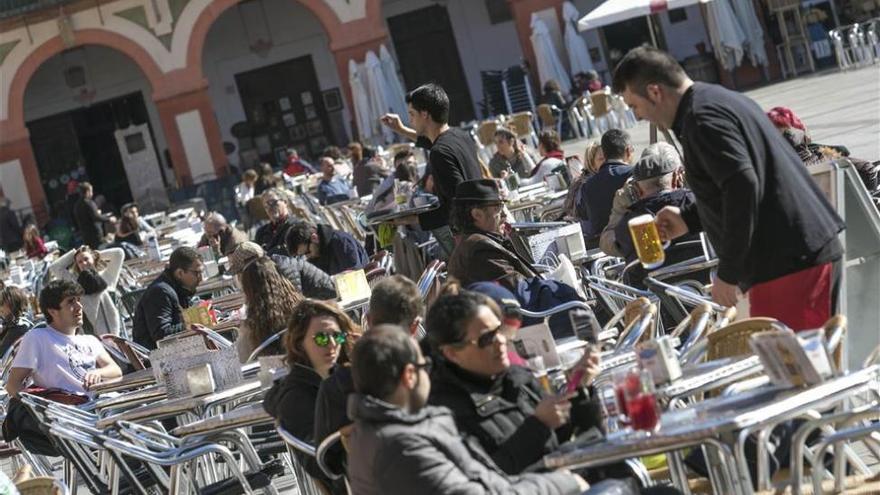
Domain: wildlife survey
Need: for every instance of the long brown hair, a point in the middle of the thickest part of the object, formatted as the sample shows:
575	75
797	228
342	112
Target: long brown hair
30	232
100	263
298	327
16	299
270	298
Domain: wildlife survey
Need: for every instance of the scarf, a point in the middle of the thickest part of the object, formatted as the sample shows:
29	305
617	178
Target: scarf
550	154
91	281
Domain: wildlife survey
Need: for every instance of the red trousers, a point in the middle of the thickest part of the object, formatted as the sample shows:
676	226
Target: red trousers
802	300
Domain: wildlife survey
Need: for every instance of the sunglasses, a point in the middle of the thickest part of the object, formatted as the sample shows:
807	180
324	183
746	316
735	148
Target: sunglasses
322	339
484	340
428	365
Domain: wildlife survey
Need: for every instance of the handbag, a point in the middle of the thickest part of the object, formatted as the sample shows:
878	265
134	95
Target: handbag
21	423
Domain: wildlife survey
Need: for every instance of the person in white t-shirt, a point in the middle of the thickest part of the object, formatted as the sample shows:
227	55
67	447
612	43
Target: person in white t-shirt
56	357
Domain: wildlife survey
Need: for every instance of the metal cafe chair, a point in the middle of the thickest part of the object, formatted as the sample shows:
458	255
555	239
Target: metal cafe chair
328	444
306	484
266	343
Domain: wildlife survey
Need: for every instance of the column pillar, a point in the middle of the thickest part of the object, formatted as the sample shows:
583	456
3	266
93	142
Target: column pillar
19	176
190	126
522	17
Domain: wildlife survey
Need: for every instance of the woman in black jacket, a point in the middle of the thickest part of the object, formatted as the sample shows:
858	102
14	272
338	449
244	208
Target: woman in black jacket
317	338
13	315
503	406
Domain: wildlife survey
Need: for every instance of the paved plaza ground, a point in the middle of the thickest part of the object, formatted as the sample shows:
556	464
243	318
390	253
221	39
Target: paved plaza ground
840	108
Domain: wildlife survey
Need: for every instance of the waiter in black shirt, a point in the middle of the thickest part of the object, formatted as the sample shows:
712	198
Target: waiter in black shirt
452	157
773	229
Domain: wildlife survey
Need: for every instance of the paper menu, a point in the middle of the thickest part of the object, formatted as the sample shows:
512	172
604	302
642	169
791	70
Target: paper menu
790	361
352	287
537	340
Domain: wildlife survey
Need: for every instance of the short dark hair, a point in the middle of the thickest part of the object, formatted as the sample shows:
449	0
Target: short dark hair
54	293
430	98
395	300
379	358
16	299
447	317
460	216
333	152
298	234
549	139
615	142
646	65
183	258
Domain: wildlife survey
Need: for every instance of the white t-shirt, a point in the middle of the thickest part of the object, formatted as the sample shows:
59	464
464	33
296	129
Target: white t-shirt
58	360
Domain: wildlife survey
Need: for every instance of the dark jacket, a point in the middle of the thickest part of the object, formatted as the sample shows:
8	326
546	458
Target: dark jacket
306	277
339	251
90	222
597	195
487	257
367	175
331	413
291	401
394	452
682	198
757	203
452	159
230	238
12	331
500	413
159	311
10	229
271	236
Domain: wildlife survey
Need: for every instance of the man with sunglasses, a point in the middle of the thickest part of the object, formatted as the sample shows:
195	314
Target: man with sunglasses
400	445
159	311
271	236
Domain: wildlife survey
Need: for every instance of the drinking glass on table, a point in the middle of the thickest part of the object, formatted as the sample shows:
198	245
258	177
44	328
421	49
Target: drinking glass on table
623	380
646	240
641	403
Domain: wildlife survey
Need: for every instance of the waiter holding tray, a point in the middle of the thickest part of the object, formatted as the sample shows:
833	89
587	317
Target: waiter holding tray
775	233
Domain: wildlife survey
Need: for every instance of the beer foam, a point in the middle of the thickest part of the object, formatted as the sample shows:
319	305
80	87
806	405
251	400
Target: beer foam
641	220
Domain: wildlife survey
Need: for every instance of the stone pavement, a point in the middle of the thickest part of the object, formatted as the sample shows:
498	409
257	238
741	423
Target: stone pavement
840	108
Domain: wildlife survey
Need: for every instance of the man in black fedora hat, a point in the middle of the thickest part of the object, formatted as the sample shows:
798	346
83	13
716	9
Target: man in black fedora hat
484	254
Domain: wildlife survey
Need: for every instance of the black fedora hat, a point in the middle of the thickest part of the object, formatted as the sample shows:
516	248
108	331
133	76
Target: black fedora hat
478	191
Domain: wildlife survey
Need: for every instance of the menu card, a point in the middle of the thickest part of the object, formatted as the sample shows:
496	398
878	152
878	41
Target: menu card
790	360
352	287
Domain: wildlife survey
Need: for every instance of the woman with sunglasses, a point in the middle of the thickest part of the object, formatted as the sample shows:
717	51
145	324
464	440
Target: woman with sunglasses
97	272
502	405
318	337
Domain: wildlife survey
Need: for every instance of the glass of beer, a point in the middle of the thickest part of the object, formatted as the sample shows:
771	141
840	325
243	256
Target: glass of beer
646	240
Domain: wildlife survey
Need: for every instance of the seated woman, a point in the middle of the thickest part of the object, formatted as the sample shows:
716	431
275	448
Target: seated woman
550	149
97	272
512	155
315	341
129	229
269	299
503	406
484	254
33	243
14	321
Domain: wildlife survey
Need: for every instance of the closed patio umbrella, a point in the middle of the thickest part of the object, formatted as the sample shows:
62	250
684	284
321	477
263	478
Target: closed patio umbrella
377	89
396	93
549	65
578	55
726	34
753	31
360	101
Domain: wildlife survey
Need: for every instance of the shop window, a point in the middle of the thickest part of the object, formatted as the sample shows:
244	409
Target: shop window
499	11
677	15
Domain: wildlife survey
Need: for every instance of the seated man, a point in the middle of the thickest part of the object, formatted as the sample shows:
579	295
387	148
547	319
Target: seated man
54	356
271	236
395	300
597	192
503	406
330	250
484	254
332	188
222	237
657	181
159	311
401	446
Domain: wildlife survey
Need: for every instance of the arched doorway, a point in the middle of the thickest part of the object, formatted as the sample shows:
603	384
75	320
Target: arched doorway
90	117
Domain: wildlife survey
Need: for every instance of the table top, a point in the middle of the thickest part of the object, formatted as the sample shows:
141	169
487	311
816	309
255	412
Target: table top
249	415
135	397
711	375
710	418
132	380
387	217
174	407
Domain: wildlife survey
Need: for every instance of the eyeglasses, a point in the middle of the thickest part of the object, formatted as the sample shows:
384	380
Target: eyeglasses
427	365
322	339
484	340
198	272
273	202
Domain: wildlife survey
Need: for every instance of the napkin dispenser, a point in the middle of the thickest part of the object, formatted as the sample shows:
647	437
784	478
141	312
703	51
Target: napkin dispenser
659	357
200	380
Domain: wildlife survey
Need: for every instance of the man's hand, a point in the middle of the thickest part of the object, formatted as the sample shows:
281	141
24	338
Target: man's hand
91	379
582	483
723	293
393	122
670	225
590	363
554	411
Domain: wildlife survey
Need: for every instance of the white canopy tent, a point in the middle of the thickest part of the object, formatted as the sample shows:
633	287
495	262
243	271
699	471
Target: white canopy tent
613	11
578	56
549	64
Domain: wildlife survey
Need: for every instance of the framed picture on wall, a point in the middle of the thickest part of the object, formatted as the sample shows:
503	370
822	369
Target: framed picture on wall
311	113
289	119
318	143
306	98
314	128
284	103
332	100
297	132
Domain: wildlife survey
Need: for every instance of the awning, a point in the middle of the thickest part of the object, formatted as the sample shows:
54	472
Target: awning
613	11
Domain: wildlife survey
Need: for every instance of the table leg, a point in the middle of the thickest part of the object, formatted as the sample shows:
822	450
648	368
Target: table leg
677	471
